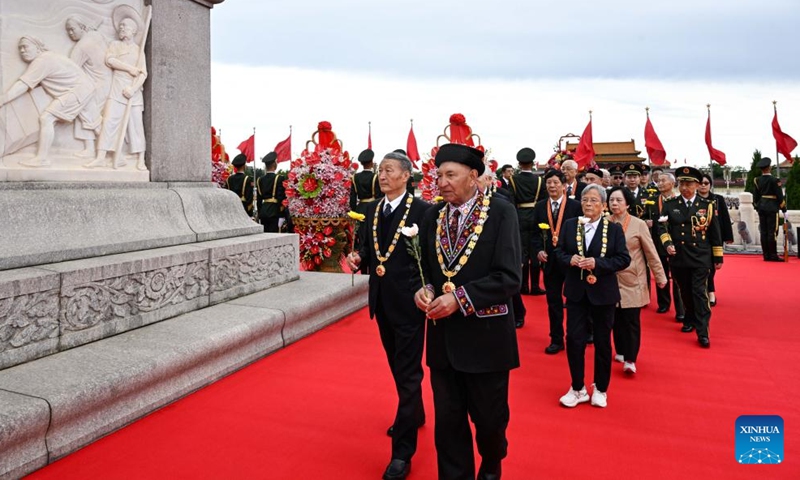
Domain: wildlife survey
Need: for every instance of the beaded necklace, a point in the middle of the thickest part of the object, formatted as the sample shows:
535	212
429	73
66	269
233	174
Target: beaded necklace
380	270
468	236
591	279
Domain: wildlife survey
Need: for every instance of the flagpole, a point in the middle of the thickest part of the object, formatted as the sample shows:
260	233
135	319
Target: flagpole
710	159
255	182
649	160
777	157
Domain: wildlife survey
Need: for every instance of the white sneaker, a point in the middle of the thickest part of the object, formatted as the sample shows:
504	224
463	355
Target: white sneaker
574	397
599	399
619	358
629	367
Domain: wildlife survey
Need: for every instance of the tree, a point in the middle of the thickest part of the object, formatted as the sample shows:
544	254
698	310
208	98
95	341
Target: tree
750	184
793	186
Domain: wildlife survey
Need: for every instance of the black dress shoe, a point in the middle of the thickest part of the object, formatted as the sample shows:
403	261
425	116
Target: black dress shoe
679	318
519	323
687	328
538	291
489	474
662	310
590	340
713	303
553	348
397	470
704	342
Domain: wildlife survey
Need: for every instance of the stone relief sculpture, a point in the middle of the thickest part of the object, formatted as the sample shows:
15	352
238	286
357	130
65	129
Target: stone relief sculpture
80	94
89	53
123	113
71	89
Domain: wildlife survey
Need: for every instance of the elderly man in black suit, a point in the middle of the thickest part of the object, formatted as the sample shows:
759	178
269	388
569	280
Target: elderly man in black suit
592	249
552	212
394	278
470	257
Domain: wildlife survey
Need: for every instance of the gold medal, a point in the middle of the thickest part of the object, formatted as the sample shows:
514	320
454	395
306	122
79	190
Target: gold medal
591	279
449	287
555	240
380	270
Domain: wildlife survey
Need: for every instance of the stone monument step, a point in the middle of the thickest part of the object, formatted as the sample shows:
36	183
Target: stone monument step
55	405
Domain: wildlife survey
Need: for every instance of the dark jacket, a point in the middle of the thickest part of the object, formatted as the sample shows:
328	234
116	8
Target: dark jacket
543	239
484	339
606	290
768	195
270	195
242	186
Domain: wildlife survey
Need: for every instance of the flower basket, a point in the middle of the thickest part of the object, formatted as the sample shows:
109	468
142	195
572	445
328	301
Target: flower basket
318	198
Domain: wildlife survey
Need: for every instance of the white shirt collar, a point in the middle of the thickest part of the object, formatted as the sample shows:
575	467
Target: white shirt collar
394	203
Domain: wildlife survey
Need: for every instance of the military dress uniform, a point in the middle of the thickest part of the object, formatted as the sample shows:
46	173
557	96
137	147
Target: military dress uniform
692	227
241	184
270	196
364	187
527	188
768	200
663	295
639	208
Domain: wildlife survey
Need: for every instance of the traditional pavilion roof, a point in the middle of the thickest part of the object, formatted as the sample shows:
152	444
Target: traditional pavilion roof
613	152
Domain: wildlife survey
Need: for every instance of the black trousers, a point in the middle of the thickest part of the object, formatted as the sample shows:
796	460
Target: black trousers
712	272
457	397
554	285
579	316
519	307
530	264
694	292
403	344
270	224
768	228
628	332
663	294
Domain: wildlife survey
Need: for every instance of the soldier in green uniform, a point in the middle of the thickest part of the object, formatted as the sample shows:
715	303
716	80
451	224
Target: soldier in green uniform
768	200
241	184
365	186
691	236
527	188
270	195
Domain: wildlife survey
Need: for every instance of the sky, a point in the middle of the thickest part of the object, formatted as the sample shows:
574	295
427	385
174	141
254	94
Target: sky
523	73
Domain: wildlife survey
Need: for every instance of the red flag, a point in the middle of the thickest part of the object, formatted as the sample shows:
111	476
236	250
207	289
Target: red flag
584	154
411	146
784	142
715	154
284	149
655	151
248	148
369	137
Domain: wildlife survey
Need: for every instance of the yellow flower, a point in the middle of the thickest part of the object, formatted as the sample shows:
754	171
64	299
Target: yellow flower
544	226
649	202
358	217
437	199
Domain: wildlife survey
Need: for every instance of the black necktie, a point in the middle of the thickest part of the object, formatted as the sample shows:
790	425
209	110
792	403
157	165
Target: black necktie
688	204
387	210
554	207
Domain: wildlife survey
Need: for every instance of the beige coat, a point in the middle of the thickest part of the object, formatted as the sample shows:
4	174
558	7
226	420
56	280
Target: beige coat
633	280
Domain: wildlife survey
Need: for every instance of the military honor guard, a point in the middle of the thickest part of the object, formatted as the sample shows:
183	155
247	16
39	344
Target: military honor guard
666	192
591	249
548	220
769	202
365	186
394	278
470	259
689	230
527	189
241	184
270	194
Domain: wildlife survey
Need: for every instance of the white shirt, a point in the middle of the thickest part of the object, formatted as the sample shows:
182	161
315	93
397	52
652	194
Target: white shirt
590	229
557	202
394	203
687	200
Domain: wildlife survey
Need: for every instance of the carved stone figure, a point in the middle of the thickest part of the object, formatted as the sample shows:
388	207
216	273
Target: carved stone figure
89	53
72	93
122	116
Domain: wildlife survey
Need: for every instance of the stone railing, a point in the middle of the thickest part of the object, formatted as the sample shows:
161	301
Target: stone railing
745	225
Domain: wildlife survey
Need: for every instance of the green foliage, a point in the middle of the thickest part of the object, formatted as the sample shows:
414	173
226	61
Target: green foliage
749	185
793	186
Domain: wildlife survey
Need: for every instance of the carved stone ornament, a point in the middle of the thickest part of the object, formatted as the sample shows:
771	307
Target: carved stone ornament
71	80
27	319
87	305
254	266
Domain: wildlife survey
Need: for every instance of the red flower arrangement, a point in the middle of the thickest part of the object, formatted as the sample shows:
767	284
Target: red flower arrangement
220	165
318	198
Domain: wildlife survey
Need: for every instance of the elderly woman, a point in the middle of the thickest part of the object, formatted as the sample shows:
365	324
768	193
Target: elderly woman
591	249
633	290
725	227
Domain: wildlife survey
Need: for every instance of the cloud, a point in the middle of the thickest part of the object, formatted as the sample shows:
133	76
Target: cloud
507	114
681	39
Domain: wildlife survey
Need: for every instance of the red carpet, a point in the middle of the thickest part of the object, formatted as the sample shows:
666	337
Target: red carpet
320	408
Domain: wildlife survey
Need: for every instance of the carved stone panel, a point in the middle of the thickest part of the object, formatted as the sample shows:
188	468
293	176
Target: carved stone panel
71	80
28	315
